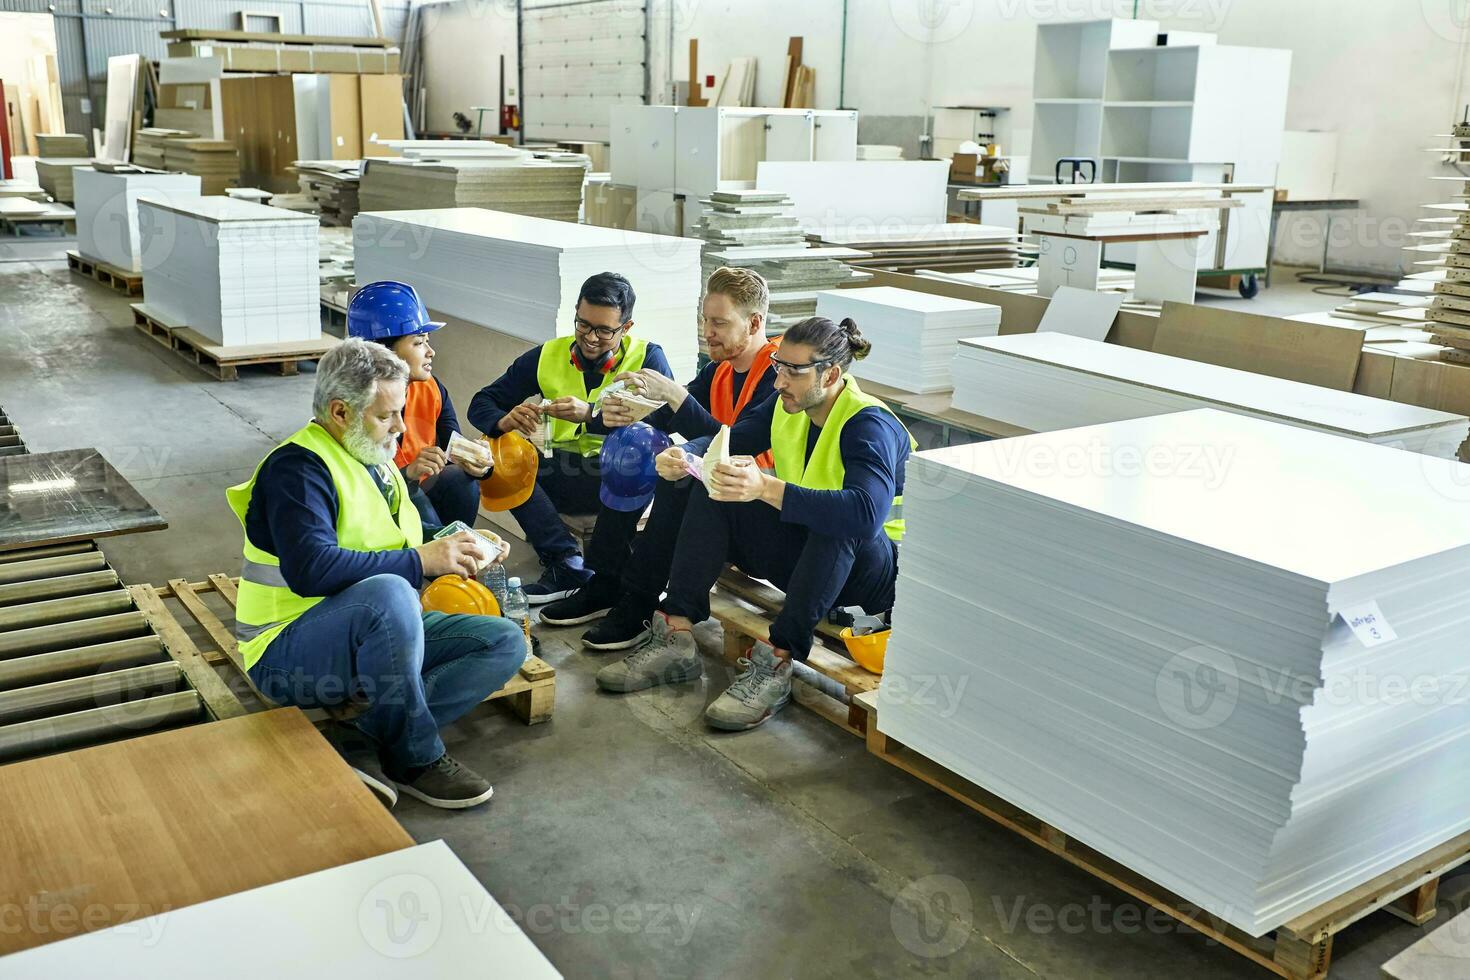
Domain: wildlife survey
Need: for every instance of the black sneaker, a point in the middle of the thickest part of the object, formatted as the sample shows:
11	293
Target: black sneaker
558	582
361	755
591	601
624	627
446	784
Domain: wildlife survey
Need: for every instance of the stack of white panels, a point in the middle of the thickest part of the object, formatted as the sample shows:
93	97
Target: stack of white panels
914	334
1047	381
236	272
521	275
107	212
1224	652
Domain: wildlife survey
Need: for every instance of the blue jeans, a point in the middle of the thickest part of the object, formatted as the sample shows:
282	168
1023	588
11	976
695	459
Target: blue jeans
452	496
418	671
567	483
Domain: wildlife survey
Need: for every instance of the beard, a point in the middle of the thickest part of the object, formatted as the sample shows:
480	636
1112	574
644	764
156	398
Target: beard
361	447
813	397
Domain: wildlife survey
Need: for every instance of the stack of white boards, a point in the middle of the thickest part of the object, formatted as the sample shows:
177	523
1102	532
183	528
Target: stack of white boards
914	335
908	248
107	212
513	181
22	188
55	176
757	230
521	275
1187	641
879	151
1046	381
1022	279
237	273
61	145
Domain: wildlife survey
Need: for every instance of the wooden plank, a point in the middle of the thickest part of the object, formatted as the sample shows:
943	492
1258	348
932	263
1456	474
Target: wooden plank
140	826
217	697
222	637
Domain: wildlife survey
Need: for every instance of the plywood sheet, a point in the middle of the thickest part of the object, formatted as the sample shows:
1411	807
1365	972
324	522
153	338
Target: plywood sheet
1315	353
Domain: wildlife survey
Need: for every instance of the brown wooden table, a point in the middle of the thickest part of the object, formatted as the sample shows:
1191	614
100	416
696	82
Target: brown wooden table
113	833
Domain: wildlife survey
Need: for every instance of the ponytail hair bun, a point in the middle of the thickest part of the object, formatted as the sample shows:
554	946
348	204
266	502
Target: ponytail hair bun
857	344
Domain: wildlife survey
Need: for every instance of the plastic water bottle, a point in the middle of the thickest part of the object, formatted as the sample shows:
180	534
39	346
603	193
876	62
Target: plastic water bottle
518	609
493	578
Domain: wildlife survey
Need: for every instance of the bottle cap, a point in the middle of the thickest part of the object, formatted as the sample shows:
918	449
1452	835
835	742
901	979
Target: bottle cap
514	583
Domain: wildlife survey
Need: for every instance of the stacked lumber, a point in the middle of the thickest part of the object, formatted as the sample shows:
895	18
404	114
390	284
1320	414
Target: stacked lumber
331	187
472	174
54	176
61	145
758	230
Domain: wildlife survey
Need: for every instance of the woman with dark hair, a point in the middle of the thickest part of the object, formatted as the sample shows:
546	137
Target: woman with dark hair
824	527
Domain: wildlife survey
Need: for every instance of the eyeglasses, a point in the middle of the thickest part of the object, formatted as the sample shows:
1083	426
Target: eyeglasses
795	370
601	333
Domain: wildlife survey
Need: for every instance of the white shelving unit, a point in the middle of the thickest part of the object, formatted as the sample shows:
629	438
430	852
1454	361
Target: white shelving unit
676	154
1164	107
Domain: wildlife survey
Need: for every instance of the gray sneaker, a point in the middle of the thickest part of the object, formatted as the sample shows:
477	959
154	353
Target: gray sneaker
668	656
446	784
361	755
756	695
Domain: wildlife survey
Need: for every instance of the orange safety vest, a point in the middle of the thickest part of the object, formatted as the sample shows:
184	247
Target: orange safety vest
420	420
722	388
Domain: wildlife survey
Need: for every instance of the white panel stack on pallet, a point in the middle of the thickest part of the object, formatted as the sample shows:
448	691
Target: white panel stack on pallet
1160	634
914	334
237	273
1048	381
521	275
107	212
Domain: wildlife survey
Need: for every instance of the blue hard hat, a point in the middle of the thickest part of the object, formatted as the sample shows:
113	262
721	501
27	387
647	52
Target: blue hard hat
628	473
387	310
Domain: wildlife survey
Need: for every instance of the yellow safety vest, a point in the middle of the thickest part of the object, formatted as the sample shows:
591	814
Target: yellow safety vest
265	603
824	471
558	377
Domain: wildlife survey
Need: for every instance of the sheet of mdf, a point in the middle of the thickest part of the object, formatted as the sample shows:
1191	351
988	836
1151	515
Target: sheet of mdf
176	818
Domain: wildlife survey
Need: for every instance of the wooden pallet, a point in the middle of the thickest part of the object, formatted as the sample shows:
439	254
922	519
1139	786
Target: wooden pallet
128	283
745	608
223	363
531	694
1299	950
83	661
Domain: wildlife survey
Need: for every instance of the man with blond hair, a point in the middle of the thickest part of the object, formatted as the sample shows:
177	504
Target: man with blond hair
738	378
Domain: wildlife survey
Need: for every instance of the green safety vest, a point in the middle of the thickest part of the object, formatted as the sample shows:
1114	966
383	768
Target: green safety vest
558	377
824	471
265	604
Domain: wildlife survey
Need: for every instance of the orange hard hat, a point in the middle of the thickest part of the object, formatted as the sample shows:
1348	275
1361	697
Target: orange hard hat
452	594
513	475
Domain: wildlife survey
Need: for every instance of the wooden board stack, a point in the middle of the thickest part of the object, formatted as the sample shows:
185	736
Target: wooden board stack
55	176
107	212
914	334
757	230
215	162
235	272
1047	381
1023	279
955	246
332	186
1188	641
520	275
61	145
517	183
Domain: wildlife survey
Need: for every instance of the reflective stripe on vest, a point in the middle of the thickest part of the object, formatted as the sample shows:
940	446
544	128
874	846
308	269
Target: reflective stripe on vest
722	391
265	604
558	377
824	471
421	410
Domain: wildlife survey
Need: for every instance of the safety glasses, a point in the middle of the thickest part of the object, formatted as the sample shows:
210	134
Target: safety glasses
795	370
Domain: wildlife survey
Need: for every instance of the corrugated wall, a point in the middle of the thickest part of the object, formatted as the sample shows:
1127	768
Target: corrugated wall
87	34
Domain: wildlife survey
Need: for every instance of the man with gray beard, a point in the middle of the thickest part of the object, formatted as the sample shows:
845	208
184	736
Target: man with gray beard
329	614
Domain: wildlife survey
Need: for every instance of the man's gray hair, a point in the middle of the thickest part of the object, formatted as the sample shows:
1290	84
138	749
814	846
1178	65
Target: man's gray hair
350	371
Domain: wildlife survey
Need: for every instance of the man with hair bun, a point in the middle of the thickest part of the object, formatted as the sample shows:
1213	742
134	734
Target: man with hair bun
824	526
328	609
737	380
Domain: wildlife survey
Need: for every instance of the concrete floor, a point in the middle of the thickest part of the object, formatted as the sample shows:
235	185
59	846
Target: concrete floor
628	839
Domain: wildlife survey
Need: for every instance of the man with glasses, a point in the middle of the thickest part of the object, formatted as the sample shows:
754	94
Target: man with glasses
570	373
824	527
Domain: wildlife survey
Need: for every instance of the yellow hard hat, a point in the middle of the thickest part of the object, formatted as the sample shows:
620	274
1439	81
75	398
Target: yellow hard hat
868	649
513	473
452	594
